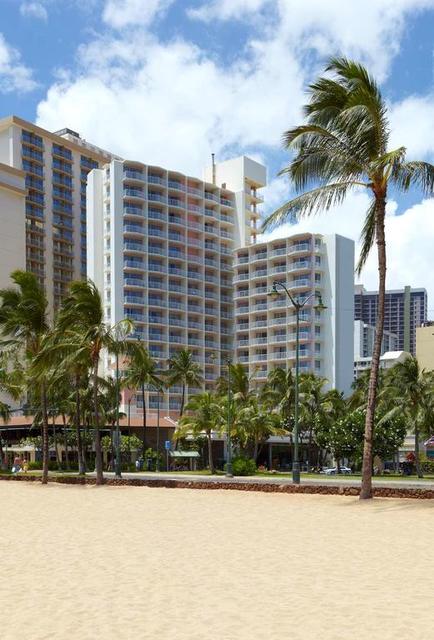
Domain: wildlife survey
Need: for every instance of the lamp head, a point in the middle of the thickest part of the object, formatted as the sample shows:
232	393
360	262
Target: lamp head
320	306
274	293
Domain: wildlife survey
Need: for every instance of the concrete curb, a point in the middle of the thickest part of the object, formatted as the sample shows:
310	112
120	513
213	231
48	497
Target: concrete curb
319	489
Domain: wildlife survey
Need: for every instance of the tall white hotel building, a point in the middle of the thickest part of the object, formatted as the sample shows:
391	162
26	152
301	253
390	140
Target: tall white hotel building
161	248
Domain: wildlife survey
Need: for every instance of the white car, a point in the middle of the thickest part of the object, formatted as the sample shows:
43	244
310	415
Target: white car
333	471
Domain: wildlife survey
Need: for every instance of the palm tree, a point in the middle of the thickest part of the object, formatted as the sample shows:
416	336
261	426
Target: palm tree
255	423
279	391
409	391
82	316
141	373
241	383
185	371
202	416
344	146
25	328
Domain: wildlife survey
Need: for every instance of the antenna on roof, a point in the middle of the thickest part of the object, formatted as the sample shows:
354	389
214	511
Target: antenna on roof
213	168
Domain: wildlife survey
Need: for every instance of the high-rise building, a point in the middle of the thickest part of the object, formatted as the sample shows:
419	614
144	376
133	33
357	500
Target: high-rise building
265	329
55	167
160	248
12	222
364	335
405	309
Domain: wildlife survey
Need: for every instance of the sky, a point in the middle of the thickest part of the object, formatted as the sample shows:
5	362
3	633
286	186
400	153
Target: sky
169	82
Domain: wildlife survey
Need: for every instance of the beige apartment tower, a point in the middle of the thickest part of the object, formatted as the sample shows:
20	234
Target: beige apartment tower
52	241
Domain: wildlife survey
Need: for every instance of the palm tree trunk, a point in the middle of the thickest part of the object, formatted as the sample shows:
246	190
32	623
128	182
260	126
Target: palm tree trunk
98	451
80	455
65	442
45	445
210	456
416	452
366	488
181	410
56	448
144	422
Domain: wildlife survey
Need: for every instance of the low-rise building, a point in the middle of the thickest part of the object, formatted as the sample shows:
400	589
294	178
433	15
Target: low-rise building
425	346
387	361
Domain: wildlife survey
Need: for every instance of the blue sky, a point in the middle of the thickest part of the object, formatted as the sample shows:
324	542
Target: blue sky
170	81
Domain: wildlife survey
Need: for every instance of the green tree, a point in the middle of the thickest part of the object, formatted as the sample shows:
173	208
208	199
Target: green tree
185	371
81	317
142	373
344	146
201	417
409	392
25	329
279	391
241	383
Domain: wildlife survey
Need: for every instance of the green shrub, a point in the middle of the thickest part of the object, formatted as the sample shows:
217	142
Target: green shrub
243	466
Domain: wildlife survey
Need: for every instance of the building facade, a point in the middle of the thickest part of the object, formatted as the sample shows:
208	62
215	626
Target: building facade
425	346
160	247
387	361
405	309
265	329
12	222
55	167
364	335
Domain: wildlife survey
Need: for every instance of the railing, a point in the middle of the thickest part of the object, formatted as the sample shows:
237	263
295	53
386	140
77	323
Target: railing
155	214
174	202
155	179
156	197
173	184
133	211
156	266
296	248
132	228
133	282
134	175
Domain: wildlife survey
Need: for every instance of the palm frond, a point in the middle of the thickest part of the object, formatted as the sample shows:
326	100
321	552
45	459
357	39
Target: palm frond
414	174
312	202
367	236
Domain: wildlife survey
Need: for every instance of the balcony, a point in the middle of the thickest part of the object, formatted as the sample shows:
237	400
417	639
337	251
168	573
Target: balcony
156	197
211	196
302	247
278	252
137	317
133	174
30	138
280	268
133	264
156	214
156	284
156	266
156	250
133	246
263	340
278	355
134	228
34	155
178	237
241	276
225	202
134	299
194	207
133	211
259	273
302	282
133	193
259	256
300	265
175	202
156	231
134	282
176	220
156	302
174	184
156	179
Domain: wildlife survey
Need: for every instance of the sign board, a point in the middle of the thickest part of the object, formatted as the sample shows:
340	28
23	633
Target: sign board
167	445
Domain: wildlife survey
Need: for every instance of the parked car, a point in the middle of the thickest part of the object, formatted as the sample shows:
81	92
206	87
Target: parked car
333	471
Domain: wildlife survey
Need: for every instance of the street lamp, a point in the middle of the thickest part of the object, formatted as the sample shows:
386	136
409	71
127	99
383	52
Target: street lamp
298	305
229	470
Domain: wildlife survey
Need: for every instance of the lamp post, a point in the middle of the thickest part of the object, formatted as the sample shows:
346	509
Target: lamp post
118	466
157	462
229	470
298	305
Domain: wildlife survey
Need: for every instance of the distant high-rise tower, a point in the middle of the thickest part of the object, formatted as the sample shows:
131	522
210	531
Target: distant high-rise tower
405	309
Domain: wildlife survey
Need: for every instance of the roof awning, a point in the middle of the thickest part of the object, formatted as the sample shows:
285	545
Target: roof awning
184	454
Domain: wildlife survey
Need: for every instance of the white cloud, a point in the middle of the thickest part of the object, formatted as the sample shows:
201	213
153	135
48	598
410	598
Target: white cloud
408	241
227	10
172	103
411	126
122	13
33	10
14	75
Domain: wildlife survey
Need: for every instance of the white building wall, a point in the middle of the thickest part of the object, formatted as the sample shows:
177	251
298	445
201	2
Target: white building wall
340	255
265	329
12	223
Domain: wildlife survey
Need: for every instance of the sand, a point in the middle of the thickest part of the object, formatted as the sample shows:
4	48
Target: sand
125	562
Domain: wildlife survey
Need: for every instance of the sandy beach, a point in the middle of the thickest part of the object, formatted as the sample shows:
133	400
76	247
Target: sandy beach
125	562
